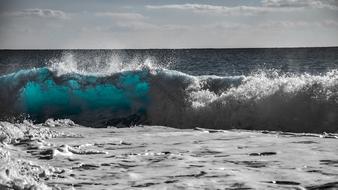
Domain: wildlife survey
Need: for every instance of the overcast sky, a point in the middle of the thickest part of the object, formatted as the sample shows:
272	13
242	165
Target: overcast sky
41	24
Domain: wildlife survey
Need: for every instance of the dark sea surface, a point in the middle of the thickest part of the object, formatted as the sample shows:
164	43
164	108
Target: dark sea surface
288	89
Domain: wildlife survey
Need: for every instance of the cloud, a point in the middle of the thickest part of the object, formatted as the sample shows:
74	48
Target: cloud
121	16
140	26
227	26
225	10
330	23
267	6
133	26
329	4
126	21
42	13
270	25
297	24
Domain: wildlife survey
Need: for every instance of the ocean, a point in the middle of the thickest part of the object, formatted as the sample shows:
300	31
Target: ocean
169	119
275	89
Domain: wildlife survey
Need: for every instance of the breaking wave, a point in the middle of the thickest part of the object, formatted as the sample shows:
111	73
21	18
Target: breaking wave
119	94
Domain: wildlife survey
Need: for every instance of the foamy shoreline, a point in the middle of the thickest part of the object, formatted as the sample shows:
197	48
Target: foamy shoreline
60	154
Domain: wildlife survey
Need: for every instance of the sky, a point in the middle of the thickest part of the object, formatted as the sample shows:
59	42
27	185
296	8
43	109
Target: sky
119	24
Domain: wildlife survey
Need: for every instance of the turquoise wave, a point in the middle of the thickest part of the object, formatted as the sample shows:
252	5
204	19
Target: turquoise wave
42	94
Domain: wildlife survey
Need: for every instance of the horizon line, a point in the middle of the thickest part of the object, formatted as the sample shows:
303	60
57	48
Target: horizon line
205	48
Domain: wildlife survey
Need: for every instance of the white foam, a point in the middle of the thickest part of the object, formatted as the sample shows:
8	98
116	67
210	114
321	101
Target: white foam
69	65
267	83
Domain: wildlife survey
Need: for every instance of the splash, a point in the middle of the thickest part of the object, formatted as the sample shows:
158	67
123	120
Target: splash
264	84
68	64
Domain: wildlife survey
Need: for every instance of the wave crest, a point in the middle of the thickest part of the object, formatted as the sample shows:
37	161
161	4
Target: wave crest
263	84
69	64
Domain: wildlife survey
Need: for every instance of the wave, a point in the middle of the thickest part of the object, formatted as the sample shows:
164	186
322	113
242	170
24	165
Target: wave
148	94
265	100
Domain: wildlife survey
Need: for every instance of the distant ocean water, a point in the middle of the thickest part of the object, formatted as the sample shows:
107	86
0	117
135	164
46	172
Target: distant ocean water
291	89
